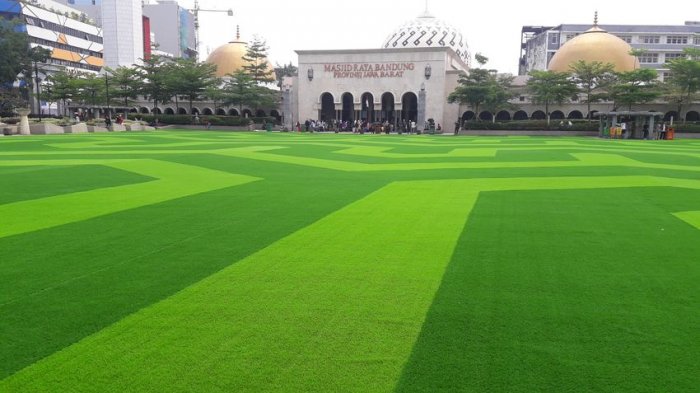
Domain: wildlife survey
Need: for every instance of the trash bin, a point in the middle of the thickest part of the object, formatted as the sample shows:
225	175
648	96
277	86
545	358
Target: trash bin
670	133
268	127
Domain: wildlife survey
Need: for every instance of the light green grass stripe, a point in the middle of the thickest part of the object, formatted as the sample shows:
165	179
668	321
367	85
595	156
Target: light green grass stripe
692	217
174	181
336	306
383	152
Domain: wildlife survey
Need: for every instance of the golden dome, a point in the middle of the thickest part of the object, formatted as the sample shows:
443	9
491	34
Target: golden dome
594	45
228	58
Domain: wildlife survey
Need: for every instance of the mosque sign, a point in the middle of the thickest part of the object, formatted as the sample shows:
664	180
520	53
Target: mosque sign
368	70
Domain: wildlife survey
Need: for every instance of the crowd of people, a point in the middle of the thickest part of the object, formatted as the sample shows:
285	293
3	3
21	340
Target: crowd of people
362	126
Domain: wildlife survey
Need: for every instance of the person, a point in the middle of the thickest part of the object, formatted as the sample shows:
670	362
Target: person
439	127
623	130
196	118
119	119
208	124
662	135
108	121
569	124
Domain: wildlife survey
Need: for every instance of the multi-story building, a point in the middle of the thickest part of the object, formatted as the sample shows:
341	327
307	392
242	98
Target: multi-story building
173	28
660	43
72	37
122	24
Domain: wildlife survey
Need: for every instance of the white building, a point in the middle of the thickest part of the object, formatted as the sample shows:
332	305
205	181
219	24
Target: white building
122	27
407	80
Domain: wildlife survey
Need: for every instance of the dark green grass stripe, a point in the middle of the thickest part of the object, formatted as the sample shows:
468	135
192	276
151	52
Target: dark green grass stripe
334	307
566	291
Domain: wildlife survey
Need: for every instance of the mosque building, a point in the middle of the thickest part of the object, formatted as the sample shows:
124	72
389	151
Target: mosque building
406	80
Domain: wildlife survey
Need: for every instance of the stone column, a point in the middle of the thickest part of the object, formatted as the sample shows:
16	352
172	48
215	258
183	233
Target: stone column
23	128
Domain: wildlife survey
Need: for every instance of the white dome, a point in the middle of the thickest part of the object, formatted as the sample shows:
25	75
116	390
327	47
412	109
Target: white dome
427	31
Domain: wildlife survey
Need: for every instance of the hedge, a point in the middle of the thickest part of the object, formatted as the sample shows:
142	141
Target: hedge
233	121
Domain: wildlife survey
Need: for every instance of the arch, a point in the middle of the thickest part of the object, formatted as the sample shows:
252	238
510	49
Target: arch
134	110
575	115
557	115
247	113
348	107
195	111
327	107
538	115
468	116
503	116
144	110
207	112
157	111
181	111
221	112
367	111
520	115
409	103
274	113
388	105
169	111
670	114
260	113
233	112
486	115
692	116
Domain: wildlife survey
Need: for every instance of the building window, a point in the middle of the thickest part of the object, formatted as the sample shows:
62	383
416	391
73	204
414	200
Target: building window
553	38
649	58
696	41
677	39
650	39
570	36
626	38
674	56
666	76
522	98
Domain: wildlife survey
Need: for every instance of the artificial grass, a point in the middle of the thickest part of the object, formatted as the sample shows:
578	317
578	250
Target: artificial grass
332	248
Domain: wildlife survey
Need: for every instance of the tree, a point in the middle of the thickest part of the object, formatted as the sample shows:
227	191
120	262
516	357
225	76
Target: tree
14	47
499	95
193	79
684	83
635	87
257	66
125	83
549	87
62	86
90	91
591	79
154	76
35	56
283	71
239	90
474	88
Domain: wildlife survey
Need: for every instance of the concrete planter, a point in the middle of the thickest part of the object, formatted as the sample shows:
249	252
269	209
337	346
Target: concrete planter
97	129
117	127
23	127
134	127
79	128
46	128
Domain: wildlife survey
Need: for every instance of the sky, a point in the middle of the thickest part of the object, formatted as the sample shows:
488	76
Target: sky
491	28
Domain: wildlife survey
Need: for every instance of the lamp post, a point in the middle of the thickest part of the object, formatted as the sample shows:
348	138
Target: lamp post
421	108
109	109
195	11
37	81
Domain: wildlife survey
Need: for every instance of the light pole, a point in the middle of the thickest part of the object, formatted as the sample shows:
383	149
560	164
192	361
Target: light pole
195	11
109	109
421	108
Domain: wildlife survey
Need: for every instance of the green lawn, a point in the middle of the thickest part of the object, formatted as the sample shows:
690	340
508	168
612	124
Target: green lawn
254	262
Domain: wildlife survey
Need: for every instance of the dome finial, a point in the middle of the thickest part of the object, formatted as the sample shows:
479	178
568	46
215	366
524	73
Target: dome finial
426	13
595	19
238	32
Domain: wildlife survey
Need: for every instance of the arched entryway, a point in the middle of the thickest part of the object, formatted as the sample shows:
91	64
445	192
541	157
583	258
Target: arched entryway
207	112
169	111
247	113
260	113
221	112
348	107
409	103
671	115
233	112
538	115
276	115
327	107
557	115
181	111
486	116
388	108
575	115
503	116
692	116
520	115
468	116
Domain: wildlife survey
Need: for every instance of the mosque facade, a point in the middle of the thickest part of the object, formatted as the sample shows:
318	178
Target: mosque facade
407	80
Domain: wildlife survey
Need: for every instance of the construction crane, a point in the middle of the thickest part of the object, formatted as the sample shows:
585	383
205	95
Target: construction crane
195	11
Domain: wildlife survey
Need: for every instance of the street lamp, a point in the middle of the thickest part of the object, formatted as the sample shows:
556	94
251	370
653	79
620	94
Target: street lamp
196	10
310	74
428	71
